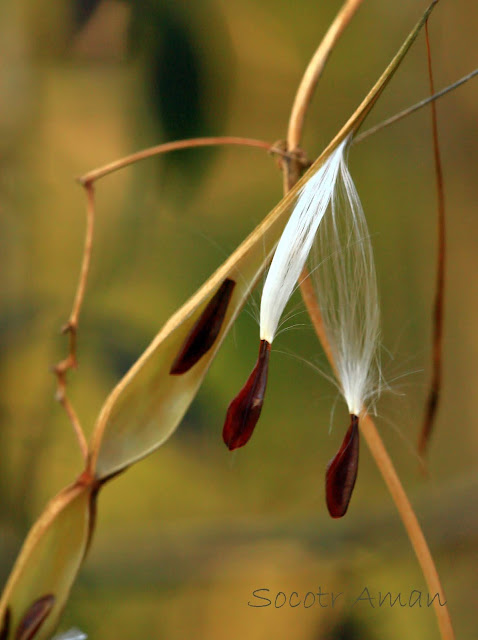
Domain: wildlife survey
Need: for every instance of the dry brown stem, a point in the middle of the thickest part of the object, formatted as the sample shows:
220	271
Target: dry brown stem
190	143
438	309
71	327
314	70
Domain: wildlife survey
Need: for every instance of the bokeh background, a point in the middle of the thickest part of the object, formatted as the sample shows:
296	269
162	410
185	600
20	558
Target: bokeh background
184	537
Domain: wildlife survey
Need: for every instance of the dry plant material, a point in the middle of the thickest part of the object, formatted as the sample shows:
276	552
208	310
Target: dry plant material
177	145
41	579
438	309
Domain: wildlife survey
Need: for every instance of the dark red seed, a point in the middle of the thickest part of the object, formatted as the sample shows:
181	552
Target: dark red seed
244	411
35	616
204	333
5	624
342	472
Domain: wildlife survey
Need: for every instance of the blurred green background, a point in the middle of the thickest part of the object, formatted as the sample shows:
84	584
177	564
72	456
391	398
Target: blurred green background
184	537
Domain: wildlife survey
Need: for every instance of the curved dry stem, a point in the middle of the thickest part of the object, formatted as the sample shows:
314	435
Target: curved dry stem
176	145
314	71
372	437
410	522
71	413
439	304
71	327
85	266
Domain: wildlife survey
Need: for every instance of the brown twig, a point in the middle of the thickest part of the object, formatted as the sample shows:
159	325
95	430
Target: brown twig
371	435
62	398
166	147
71	327
410	522
314	70
438	309
60	370
85	266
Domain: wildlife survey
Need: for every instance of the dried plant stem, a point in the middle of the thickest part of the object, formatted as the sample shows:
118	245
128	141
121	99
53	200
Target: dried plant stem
314	71
190	143
71	327
66	404
368	428
438	310
410	522
306	90
415	107
85	265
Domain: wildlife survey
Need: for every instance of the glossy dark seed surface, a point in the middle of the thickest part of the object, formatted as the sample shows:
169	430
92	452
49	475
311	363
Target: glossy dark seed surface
244	411
342	472
204	333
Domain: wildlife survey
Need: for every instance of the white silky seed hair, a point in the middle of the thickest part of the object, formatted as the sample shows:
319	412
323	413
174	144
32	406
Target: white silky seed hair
346	289
72	634
296	242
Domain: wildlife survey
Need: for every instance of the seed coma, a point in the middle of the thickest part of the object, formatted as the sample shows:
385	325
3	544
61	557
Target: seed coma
245	410
34	617
342	470
204	333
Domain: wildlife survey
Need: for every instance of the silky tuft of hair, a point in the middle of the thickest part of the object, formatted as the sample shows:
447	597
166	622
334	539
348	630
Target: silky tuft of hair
346	289
296	242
